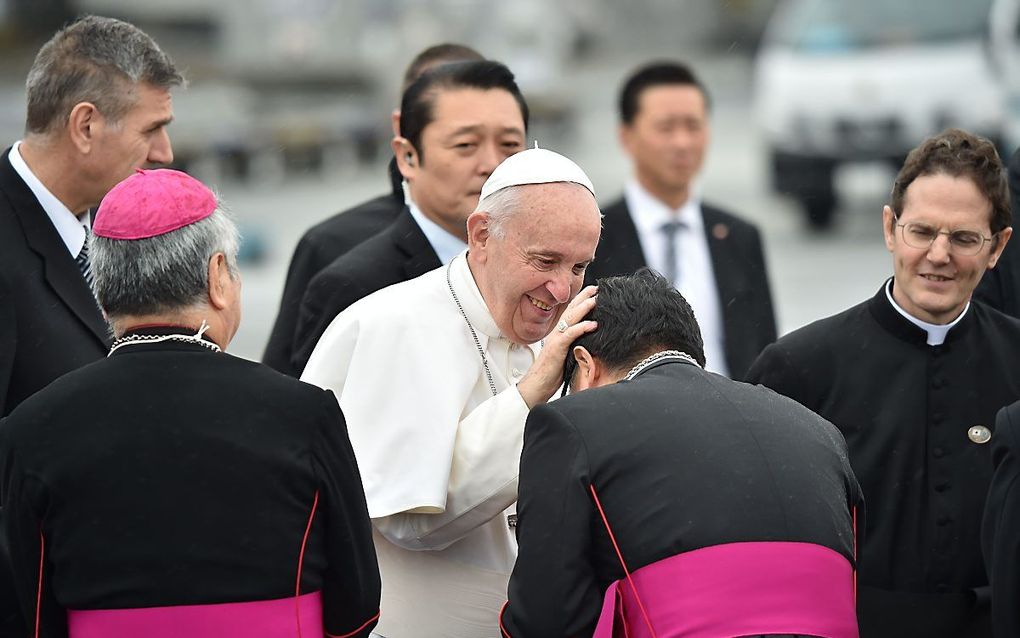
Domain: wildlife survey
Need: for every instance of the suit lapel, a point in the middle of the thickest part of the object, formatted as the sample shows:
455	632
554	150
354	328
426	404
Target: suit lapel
411	241
60	270
727	276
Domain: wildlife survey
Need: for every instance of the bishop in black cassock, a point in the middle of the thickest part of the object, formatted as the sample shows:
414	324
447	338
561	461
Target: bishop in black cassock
172	489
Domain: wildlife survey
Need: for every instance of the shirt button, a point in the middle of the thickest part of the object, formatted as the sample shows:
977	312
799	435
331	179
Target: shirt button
938	452
516	373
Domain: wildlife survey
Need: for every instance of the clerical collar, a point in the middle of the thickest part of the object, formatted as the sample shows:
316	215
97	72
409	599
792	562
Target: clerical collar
936	333
447	246
650	213
70	227
150	334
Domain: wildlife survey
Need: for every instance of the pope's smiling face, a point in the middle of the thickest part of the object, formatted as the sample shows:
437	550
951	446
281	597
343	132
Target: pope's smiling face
934	284
536	265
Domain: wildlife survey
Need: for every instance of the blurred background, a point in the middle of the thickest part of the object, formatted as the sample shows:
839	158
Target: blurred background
815	104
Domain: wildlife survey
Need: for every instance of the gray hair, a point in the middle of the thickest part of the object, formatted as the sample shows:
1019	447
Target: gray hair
98	60
502	204
161	274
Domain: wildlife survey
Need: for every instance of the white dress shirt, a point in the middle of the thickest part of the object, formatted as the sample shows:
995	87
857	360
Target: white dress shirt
447	246
439	454
936	332
70	228
696	277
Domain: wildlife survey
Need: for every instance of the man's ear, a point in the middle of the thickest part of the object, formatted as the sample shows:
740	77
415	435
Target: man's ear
478	231
889	227
83	124
219	282
588	369
406	155
1004	236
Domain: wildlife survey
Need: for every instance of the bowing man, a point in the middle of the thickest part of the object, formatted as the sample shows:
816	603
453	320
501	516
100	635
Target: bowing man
171	489
731	506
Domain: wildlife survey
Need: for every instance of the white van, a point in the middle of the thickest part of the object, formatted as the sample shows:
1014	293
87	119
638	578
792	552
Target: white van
867	80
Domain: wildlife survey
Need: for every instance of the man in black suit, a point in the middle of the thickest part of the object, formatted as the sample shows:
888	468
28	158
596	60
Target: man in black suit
458	121
714	258
1000	529
729	492
333	237
1000	287
98	108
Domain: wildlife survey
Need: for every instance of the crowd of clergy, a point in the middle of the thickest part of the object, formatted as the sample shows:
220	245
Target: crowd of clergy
490	406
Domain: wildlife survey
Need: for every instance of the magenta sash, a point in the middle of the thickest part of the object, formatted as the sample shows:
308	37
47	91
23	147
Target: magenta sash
292	616
736	589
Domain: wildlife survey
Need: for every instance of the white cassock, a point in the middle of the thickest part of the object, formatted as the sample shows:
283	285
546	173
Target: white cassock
438	453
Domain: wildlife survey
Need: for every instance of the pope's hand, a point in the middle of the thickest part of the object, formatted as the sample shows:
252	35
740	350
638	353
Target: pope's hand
546	375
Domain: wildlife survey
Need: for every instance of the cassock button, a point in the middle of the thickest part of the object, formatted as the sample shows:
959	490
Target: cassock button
979	434
516	373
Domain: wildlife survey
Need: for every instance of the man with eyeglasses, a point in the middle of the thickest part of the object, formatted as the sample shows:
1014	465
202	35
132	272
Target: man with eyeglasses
913	378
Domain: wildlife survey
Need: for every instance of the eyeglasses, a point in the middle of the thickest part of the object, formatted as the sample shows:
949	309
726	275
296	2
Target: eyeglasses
961	242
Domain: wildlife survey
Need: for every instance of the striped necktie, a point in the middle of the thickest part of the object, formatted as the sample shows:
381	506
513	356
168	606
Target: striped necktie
672	270
83	260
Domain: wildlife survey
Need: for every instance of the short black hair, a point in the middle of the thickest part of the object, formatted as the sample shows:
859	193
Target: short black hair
655	74
419	98
437	54
638	315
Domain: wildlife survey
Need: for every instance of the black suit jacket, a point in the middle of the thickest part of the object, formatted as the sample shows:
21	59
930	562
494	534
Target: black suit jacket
681	460
323	243
749	323
50	323
398	253
1000	286
1000	530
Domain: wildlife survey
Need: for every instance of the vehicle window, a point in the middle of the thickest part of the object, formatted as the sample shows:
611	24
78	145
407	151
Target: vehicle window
833	25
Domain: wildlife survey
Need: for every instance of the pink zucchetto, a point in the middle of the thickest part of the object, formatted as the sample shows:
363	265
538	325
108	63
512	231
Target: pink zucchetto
152	203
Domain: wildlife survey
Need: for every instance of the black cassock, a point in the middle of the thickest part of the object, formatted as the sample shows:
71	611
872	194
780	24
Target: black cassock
907	410
682	460
171	475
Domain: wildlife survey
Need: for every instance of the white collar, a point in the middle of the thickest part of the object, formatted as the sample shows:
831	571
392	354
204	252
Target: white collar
447	246
936	332
650	213
70	228
474	304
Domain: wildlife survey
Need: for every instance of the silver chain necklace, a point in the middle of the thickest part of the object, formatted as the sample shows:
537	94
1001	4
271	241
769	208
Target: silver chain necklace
474	335
135	340
655	358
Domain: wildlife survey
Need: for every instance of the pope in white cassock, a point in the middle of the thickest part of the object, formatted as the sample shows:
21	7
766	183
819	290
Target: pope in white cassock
436	376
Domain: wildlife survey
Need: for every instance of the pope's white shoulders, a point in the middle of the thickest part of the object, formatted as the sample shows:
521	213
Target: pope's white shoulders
425	295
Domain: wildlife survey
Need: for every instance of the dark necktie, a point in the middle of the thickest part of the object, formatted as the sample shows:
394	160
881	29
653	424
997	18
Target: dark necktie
669	230
83	260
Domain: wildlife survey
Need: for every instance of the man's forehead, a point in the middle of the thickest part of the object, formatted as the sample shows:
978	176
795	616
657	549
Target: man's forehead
455	107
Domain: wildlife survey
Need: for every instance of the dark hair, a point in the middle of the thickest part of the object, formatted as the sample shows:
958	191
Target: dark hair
638	315
419	98
651	75
957	153
435	55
